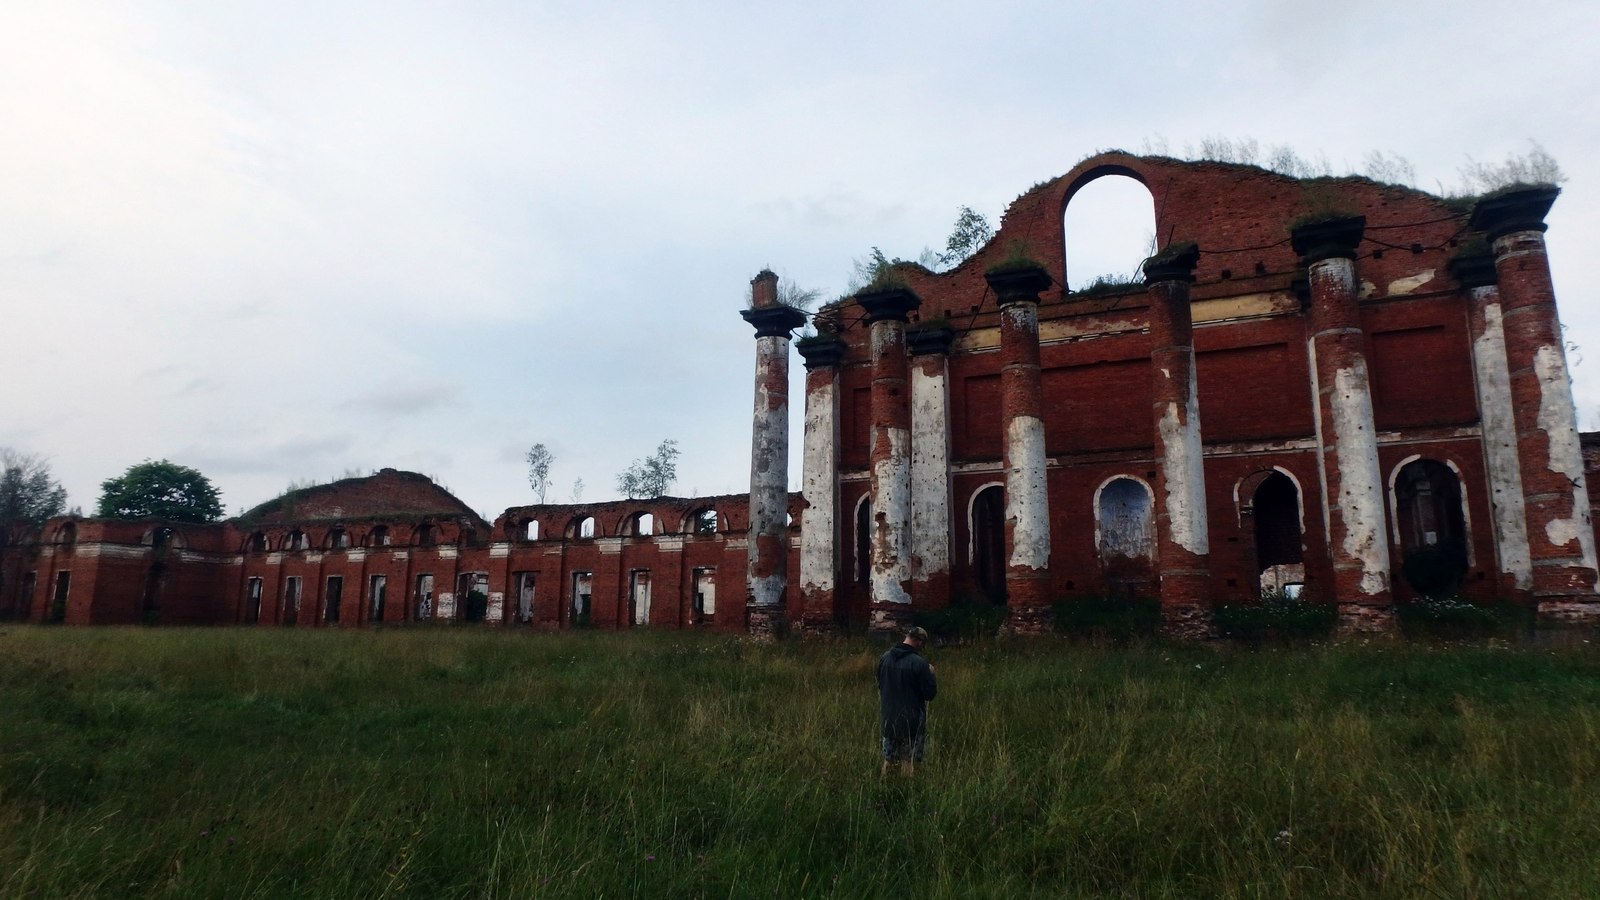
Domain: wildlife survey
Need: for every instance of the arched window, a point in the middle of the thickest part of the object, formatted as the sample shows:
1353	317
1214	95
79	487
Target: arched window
296	540
1272	504
702	521
1125	534
378	537
67	536
338	538
986	521
641	524
1110	227
425	535
162	537
1432	526
864	541
529	530
257	542
581	528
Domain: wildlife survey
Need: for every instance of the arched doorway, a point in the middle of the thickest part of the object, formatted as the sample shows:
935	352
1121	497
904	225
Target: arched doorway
864	542
1280	554
988	524
1433	528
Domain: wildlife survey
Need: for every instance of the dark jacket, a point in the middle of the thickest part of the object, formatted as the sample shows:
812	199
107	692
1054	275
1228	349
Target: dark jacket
905	685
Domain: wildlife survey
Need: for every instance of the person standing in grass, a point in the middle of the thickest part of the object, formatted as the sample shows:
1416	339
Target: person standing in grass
905	685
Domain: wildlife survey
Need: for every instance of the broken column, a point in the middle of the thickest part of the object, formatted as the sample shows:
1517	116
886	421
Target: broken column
1347	439
768	569
890	459
1492	378
1017	287
1550	461
1183	543
819	483
930	463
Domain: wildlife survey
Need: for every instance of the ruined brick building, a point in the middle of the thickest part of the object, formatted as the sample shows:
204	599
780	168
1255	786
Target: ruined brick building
1333	387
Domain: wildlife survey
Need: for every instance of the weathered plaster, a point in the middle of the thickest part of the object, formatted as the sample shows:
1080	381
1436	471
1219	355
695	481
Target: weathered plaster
930	482
891	510
818	469
1360	479
1409	284
1558	420
767	564
1500	442
1027	503
1184	465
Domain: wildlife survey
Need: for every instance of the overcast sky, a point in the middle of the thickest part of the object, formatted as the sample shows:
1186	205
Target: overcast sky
283	241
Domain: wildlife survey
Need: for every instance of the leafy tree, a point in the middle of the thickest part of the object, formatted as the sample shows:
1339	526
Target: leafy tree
539	460
652	476
27	490
577	490
970	232
160	490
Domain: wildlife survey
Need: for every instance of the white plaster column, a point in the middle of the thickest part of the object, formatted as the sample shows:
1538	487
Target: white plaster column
768	546
1492	379
819	484
1028	587
890	457
1182	529
930	463
1352	497
1556	499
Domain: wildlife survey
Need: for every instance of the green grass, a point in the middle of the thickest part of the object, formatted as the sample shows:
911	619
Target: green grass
467	763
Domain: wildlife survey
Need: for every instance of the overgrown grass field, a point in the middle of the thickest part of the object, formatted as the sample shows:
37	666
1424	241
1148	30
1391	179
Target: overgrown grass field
468	763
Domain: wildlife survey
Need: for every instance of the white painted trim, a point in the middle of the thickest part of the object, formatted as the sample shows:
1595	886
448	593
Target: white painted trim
972	525
1461	488
1299	496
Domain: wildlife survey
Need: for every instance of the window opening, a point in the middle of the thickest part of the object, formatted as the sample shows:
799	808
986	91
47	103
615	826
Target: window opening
523	583
582	585
989	542
377	597
252	601
424	597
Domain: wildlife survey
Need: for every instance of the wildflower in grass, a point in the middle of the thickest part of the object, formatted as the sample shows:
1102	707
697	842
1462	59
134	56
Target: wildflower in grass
1283	837
650	858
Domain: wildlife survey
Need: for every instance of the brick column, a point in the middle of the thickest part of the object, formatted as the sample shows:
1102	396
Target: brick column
1182	537
819	484
890	457
1492	379
1347	440
767	573
930	464
1022	416
1560	536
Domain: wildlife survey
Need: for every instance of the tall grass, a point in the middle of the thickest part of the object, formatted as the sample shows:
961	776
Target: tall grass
462	763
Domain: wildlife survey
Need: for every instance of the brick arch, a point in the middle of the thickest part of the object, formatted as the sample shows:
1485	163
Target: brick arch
1131	252
1460	486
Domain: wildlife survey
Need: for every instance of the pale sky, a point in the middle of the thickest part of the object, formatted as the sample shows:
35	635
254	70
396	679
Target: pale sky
284	241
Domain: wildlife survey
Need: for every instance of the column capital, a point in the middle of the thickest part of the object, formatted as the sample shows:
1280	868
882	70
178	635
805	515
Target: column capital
921	341
1332	238
1175	263
1017	282
1474	269
820	351
888	304
1518	209
774	321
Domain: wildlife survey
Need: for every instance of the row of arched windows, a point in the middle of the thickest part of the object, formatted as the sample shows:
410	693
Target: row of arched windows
704	520
1428	514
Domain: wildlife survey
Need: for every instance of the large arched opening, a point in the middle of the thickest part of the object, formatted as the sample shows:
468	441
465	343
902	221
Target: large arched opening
1110	229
